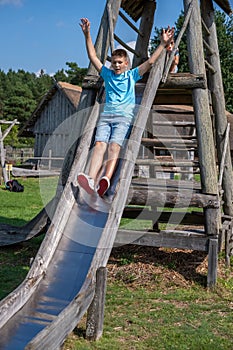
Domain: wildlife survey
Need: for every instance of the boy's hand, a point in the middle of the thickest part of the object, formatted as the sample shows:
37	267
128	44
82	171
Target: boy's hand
167	35
85	25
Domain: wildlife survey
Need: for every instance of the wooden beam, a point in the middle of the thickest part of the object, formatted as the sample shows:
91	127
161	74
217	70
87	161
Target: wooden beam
95	313
181	81
168	141
218	104
160	163
177	43
210	67
111	27
206	147
165	238
146	25
179	199
127	47
130	24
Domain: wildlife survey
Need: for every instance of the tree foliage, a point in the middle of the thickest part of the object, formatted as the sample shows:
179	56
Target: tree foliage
224	27
21	91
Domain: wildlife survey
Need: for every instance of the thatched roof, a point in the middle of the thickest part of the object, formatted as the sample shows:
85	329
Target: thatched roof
71	92
134	8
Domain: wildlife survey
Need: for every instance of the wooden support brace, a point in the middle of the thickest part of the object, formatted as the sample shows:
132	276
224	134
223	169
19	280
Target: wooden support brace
127	47
210	67
95	313
130	24
212	263
185	24
111	26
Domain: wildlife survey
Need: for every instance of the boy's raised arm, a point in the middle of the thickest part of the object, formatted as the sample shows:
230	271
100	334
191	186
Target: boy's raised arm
167	36
85	25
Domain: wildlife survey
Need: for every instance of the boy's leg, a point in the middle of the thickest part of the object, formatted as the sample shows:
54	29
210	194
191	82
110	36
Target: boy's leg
113	155
97	159
88	182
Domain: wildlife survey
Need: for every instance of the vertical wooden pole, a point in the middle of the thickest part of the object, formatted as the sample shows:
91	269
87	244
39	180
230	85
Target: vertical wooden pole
95	313
218	103
50	159
206	148
145	28
3	158
212	263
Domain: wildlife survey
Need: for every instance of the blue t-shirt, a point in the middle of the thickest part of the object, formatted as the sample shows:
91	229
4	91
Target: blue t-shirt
120	92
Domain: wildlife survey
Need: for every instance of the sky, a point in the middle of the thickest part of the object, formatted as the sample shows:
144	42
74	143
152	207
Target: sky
45	34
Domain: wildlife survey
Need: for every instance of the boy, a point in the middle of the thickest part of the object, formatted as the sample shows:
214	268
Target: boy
175	62
114	123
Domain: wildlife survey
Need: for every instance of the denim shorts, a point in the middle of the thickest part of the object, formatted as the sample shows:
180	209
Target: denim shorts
112	131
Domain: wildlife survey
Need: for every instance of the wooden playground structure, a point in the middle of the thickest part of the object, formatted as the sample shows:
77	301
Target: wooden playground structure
180	130
202	130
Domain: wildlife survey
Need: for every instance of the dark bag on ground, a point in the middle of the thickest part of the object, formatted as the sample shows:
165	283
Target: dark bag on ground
14	186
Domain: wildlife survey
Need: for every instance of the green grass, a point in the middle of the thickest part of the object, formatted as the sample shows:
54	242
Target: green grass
19	208
153	318
156	299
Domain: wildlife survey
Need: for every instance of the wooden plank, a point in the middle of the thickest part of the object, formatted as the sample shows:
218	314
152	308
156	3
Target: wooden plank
175	123
168	141
159	163
168	185
167	239
140	196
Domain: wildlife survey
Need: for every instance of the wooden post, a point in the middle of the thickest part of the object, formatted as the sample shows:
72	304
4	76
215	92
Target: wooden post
50	159
206	148
212	262
95	313
218	103
3	157
145	28
2	150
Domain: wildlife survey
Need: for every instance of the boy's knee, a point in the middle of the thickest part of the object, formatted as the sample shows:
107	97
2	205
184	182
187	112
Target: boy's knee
100	145
114	147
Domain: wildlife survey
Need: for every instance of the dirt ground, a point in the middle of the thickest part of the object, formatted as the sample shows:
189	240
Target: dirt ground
141	265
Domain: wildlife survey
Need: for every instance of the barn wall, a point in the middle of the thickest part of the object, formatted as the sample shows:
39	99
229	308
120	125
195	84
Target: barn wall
50	129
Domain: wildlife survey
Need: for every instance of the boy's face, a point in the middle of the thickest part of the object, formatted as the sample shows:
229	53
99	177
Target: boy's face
170	46
119	64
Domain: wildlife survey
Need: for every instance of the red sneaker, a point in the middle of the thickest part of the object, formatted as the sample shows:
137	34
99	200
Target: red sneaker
86	182
103	186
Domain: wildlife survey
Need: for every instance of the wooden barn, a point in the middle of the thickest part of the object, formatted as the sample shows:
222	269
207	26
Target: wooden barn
51	121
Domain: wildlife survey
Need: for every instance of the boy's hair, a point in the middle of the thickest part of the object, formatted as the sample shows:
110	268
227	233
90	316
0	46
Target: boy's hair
120	53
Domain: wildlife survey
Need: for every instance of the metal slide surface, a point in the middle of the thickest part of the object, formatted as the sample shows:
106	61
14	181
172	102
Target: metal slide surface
65	275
